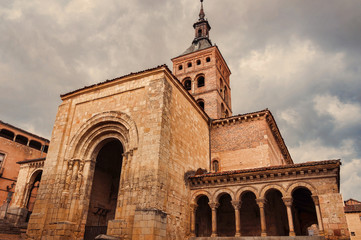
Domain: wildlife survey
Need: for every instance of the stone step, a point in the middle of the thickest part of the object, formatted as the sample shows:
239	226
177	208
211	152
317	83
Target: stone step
261	238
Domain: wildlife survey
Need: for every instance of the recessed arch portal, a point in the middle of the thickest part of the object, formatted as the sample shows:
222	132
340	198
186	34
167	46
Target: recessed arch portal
105	186
33	188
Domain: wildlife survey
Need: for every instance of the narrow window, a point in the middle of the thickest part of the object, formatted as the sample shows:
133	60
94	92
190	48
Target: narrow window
180	67
353	234
198	62
188	84
189	64
200	81
226	113
2	157
199	32
201	103
46	147
215	166
208	59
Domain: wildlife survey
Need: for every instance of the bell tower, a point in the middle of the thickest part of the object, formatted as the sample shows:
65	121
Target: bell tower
204	73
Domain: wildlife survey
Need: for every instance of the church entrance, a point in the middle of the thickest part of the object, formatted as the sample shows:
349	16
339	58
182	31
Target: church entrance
104	193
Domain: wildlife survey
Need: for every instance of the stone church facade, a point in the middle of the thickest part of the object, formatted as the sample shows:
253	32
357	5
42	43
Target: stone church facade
158	155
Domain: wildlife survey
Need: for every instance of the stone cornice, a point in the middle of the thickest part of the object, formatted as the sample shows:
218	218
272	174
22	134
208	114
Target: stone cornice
309	169
256	116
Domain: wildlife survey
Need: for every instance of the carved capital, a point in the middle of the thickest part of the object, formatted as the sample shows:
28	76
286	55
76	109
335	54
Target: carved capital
213	205
287	201
315	200
236	204
261	202
194	207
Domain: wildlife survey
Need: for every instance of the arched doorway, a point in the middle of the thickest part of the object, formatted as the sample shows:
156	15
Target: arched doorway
276	214
250	215
304	212
104	193
203	218
33	192
225	217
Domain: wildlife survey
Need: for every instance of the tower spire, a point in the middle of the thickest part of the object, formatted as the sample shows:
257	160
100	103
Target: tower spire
201	13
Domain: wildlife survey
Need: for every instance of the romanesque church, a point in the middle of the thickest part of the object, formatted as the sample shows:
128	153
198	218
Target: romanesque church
158	154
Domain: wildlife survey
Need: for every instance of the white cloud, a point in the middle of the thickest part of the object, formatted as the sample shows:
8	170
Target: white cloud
316	150
344	114
351	179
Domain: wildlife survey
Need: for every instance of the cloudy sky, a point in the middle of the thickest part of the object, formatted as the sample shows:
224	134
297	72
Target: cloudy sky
301	59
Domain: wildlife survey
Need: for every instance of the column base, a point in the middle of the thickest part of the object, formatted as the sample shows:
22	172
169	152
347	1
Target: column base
292	234
237	235
214	235
264	234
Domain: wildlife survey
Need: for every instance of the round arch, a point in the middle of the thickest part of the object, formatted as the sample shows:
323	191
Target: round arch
243	190
220	192
266	188
104	125
297	185
196	195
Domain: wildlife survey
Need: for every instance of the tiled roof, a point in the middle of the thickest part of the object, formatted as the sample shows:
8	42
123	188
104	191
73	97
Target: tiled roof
31	160
352	208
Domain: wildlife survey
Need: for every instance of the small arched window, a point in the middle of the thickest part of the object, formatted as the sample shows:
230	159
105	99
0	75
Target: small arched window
199	32
208	59
215	165
7	134
200	81
180	67
225	95
187	84
21	139
201	103
227	113
189	64
35	144
198	62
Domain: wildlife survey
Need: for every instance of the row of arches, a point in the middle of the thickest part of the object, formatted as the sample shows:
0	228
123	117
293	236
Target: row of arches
10	135
190	64
275	214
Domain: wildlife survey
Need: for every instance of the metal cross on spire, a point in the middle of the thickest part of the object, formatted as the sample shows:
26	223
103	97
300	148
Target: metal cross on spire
201	13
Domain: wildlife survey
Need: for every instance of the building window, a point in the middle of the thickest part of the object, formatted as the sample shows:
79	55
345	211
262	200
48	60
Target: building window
208	59
199	32
201	103
188	84
2	158
353	234
7	134
200	81
189	64
198	62
215	166
35	144
180	67
21	139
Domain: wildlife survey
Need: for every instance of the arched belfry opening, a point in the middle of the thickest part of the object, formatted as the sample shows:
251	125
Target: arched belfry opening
105	186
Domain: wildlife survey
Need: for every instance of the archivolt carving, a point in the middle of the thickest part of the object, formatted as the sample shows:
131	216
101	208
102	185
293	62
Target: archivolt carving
294	186
246	189
118	124
272	186
200	193
220	192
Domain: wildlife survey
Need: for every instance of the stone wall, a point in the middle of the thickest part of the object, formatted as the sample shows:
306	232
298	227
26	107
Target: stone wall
164	134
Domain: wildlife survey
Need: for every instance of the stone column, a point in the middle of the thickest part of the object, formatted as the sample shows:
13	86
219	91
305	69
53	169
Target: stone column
193	219
318	212
261	202
237	206
288	203
214	207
